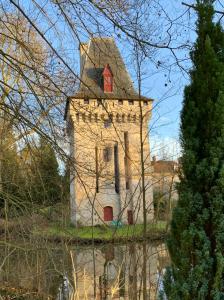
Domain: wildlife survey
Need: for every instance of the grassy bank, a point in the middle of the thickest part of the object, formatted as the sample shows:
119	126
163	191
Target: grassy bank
102	233
49	223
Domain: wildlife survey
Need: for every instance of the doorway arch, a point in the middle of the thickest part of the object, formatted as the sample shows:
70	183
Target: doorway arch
108	213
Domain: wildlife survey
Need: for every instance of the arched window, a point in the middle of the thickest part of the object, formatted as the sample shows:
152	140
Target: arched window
107	123
107	154
108	213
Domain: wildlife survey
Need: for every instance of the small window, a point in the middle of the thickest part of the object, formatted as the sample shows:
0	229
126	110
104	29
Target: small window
111	117
107	154
120	102
86	101
145	103
131	102
127	185
99	102
84	117
107	123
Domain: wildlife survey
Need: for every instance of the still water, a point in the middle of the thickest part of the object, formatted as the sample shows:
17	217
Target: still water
124	271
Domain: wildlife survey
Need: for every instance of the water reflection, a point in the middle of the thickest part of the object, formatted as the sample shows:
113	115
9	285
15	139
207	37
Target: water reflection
132	271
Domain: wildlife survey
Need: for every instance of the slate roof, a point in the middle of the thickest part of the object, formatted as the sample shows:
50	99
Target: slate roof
102	51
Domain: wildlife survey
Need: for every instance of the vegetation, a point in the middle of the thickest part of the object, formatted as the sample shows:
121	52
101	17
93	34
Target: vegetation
9	293
39	70
29	172
45	181
10	175
55	231
163	204
197	241
31	177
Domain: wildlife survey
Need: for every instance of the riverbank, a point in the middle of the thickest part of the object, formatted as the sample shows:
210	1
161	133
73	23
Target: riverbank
101	234
49	224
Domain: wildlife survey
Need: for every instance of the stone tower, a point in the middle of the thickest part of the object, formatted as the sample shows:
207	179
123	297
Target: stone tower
103	123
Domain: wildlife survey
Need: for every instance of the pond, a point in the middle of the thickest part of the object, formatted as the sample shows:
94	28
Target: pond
62	272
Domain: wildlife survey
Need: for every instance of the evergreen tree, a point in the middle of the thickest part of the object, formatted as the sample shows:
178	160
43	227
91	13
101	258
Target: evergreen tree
196	243
45	181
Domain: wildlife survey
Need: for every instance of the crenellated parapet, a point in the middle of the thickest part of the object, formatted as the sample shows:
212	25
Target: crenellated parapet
110	111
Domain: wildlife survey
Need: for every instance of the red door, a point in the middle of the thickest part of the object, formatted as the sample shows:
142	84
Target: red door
108	213
130	217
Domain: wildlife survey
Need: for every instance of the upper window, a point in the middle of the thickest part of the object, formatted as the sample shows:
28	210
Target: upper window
107	154
99	102
131	102
86	101
107	123
120	102
107	79
145	103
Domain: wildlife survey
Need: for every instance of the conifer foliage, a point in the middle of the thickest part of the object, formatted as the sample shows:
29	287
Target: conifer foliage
46	186
30	178
196	243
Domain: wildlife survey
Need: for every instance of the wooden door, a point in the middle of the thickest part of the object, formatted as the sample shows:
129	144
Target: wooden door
108	213
130	217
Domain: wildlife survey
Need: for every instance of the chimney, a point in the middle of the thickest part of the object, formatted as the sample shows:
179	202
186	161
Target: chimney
83	47
154	159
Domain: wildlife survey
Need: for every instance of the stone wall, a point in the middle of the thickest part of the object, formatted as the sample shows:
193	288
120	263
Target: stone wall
96	126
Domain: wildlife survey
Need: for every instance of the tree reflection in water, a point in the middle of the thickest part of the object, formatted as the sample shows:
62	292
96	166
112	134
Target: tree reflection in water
128	271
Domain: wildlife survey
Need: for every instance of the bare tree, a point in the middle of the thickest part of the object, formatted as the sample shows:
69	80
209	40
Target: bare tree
40	70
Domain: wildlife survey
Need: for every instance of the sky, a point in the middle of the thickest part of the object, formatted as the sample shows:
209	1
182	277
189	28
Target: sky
166	83
162	79
169	93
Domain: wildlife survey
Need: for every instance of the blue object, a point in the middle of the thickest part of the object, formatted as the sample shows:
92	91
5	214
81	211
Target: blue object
116	223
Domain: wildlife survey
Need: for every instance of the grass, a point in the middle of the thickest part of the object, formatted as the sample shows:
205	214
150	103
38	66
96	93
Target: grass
101	233
49	223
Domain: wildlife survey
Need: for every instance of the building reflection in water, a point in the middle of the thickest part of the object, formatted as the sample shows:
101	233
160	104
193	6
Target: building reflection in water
132	272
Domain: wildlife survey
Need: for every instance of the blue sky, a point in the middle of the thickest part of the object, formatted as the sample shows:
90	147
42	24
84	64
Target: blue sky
166	83
163	80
